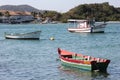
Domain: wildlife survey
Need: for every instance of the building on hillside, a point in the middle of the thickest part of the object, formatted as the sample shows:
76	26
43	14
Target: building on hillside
21	18
4	19
17	17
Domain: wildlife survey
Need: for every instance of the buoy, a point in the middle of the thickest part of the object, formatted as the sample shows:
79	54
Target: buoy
52	38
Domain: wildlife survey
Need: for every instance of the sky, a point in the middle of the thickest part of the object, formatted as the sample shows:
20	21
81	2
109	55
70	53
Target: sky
56	5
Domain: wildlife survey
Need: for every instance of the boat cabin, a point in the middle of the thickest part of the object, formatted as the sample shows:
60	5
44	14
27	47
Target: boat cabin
81	23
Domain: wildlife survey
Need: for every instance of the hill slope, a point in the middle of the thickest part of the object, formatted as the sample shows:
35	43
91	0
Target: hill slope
101	12
19	8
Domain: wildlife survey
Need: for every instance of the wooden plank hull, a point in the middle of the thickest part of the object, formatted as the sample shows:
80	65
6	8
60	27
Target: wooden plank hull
75	65
70	59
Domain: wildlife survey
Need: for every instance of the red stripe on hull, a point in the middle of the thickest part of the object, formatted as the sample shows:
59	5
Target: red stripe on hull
72	60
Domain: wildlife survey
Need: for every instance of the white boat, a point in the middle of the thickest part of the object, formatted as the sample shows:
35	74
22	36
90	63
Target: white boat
31	35
85	26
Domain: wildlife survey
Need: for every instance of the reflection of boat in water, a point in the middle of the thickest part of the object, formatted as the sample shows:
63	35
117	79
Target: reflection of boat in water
70	59
88	75
85	26
31	35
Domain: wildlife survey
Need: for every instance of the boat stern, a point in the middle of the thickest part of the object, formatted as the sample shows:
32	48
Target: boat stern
100	66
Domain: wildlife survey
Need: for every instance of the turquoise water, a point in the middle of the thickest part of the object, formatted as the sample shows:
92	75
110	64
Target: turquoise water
38	59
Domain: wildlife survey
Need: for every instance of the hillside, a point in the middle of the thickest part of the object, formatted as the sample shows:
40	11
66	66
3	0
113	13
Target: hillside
101	12
22	8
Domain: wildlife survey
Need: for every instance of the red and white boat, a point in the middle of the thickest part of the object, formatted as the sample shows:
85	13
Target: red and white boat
84	62
85	26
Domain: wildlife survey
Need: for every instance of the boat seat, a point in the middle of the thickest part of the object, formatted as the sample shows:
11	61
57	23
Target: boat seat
67	56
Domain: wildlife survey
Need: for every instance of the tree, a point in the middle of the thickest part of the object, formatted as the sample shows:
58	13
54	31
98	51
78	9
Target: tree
40	14
7	14
1	14
34	14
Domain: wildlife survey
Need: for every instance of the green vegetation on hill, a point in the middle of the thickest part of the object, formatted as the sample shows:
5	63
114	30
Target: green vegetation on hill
101	12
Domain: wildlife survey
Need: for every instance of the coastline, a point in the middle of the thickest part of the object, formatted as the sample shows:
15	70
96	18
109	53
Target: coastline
111	22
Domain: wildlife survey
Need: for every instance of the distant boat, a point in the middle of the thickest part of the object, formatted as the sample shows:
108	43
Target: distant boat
89	63
31	35
85	26
47	20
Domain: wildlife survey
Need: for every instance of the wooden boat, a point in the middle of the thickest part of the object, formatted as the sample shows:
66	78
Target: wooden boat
31	35
85	26
71	59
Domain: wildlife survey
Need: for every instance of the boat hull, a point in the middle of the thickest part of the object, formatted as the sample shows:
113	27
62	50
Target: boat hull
88	30
22	38
75	65
25	36
98	28
78	30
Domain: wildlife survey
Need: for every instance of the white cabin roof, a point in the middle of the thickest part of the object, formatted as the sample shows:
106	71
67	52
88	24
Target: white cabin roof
77	20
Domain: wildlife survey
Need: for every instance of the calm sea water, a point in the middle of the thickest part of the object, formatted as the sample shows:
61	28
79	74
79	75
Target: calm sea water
38	59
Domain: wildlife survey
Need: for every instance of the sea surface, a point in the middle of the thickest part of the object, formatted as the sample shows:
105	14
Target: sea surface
38	59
